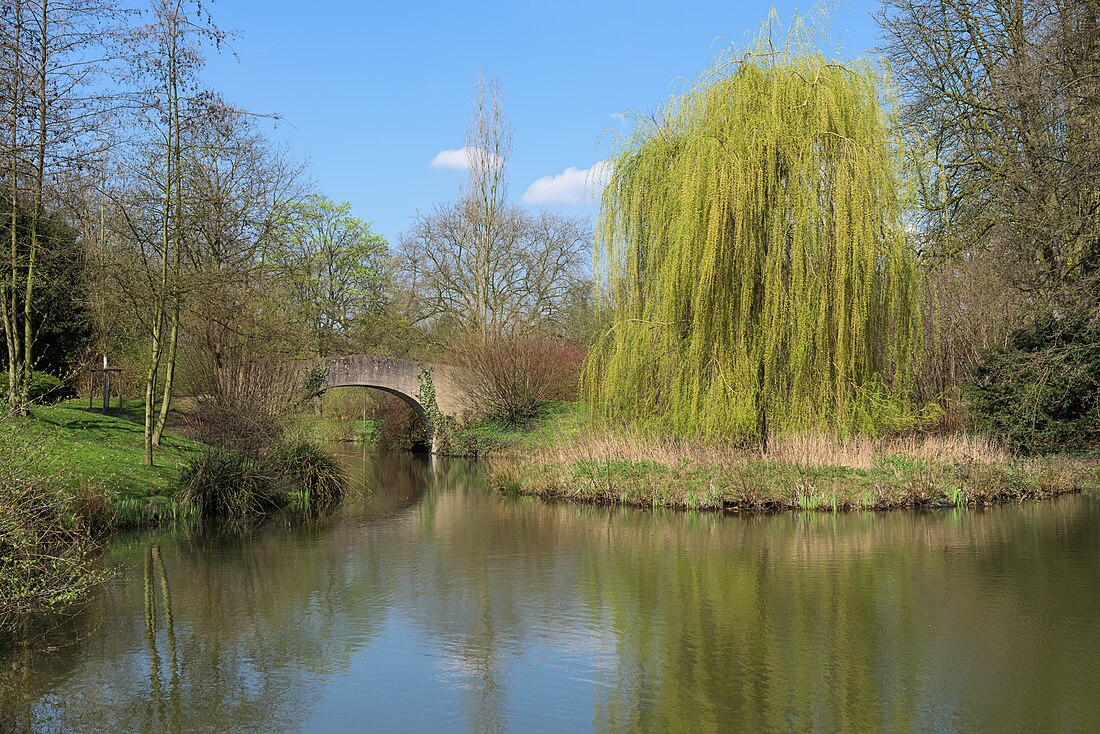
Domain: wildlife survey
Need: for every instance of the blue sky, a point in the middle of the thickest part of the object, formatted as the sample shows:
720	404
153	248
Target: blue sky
371	92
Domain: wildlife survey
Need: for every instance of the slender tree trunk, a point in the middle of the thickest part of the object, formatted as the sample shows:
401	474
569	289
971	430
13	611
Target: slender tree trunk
11	304
150	387
158	327
23	398
37	206
158	318
11	333
173	201
153	420
169	374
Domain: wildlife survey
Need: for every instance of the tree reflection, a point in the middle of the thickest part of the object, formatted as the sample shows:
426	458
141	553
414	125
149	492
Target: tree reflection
236	641
586	617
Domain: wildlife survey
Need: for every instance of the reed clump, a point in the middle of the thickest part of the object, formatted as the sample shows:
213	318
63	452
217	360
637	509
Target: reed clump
221	484
311	471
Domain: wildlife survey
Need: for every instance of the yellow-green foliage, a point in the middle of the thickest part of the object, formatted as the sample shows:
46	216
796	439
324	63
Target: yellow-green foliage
753	242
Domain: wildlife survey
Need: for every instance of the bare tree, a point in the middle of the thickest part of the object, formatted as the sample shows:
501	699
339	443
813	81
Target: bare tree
169	59
52	54
240	198
1003	102
237	202
481	264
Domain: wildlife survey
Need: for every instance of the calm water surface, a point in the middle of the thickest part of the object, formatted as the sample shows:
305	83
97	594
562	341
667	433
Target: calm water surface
430	604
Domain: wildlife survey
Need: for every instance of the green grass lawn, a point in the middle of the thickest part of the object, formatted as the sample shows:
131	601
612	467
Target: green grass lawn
84	449
328	429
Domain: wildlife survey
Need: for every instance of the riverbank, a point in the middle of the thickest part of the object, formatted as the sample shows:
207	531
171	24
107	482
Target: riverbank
96	464
99	460
70	476
561	459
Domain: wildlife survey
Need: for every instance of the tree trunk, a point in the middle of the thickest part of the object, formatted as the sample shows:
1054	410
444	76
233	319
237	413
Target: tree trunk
154	423
150	387
36	214
169	375
174	203
11	303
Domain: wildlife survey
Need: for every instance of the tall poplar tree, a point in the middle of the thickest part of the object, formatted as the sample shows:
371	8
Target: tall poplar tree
485	266
753	240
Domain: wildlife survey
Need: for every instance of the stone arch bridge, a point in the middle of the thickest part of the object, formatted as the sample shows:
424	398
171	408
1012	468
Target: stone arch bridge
400	377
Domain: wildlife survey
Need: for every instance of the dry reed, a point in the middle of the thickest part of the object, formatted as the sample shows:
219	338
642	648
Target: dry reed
810	450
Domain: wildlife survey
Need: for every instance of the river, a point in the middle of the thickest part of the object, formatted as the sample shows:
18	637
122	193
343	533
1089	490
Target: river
428	603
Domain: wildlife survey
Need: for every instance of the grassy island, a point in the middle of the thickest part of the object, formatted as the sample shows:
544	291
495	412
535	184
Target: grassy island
564	455
808	473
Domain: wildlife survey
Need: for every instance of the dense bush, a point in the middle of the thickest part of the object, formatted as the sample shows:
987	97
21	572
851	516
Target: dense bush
47	561
245	397
62	304
508	378
44	388
1041	392
246	410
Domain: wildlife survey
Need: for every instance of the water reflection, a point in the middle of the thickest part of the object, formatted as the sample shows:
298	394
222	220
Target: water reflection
429	603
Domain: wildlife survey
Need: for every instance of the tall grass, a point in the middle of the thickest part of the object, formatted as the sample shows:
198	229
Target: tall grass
810	450
223	485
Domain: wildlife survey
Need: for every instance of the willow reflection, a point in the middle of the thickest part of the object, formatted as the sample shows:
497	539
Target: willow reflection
618	620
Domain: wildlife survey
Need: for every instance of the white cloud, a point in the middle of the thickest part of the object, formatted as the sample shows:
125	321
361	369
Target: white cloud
618	116
571	186
455	160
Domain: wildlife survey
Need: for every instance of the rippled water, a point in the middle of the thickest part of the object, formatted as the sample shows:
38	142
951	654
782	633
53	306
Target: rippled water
431	604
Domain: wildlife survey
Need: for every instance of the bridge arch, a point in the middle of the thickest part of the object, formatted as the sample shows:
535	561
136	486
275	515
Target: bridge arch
400	377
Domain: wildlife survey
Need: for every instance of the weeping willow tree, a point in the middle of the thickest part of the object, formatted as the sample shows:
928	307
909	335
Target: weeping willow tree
753	241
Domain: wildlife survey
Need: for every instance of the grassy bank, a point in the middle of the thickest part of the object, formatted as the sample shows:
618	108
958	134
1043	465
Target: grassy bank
328	429
69	474
556	423
66	475
563	460
100	460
